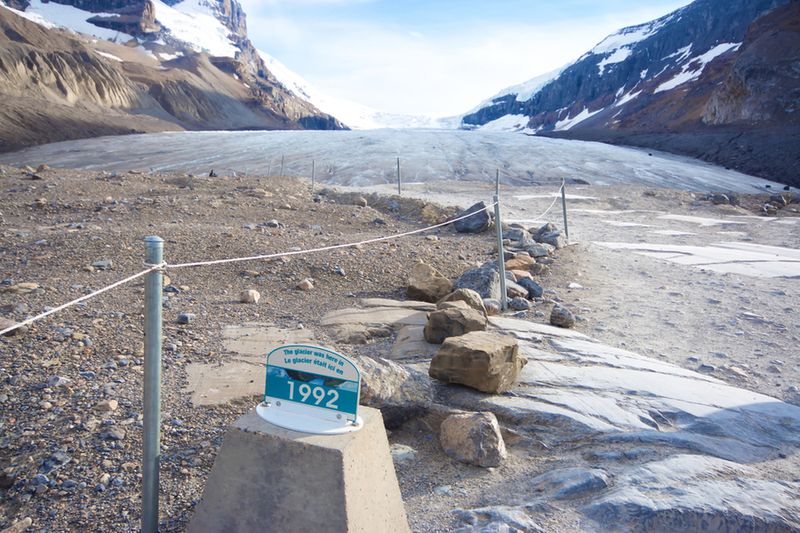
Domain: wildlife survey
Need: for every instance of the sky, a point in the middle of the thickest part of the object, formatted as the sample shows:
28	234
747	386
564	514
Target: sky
434	57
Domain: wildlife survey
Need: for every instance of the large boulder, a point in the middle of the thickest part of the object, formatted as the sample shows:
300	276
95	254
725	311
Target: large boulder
480	221
472	299
534	289
399	392
522	261
427	284
453	319
473	438
485	280
488	362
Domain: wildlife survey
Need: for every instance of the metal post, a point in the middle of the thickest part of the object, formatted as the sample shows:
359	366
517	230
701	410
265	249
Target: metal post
281	165
313	175
398	177
564	207
497	182
152	386
501	260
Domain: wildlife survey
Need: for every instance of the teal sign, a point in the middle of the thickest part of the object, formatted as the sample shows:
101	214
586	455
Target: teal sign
312	381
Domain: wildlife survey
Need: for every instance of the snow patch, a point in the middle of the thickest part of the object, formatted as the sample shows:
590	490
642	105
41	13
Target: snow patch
108	56
567	123
627	98
193	22
53	15
693	68
507	123
618	56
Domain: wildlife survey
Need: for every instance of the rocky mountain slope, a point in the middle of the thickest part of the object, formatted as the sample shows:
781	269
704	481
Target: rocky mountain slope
716	79
139	75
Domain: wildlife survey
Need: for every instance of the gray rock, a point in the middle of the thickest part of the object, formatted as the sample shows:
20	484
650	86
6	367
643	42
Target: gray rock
551	235
58	381
539	250
104	264
113	433
519	304
562	317
720	199
480	221
696	493
400	393
496	519
570	482
493	307
534	289
515	290
454	319
485	280
473	438
186	318
402	453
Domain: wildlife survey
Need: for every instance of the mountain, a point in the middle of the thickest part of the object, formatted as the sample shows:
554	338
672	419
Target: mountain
353	114
80	68
717	79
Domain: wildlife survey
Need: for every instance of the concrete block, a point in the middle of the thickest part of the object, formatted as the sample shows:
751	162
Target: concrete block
267	478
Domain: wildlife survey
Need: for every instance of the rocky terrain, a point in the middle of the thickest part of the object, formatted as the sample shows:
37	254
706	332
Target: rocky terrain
590	427
714	80
56	84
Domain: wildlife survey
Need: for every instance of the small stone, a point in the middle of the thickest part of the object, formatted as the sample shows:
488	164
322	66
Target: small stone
6	323
479	221
574	285
113	433
250	296
104	264
493	307
186	318
360	202
305	285
562	317
473	438
443	490
43	167
519	304
402	453
57	381
534	289
705	368
107	406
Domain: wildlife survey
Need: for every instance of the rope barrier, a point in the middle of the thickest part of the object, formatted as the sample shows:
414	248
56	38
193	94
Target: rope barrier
78	300
165	265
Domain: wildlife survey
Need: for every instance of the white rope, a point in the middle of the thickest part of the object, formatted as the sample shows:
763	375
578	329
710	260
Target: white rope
551	205
321	249
78	300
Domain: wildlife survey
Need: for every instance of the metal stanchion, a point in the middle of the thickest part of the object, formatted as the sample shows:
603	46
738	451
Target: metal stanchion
152	386
564	207
398	177
501	260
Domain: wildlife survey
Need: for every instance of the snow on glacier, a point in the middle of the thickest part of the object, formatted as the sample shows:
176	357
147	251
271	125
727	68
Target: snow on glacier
369	158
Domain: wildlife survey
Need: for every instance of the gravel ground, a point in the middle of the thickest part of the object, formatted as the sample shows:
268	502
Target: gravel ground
67	460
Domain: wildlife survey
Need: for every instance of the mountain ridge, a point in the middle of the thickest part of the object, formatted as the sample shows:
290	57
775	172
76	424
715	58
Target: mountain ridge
676	84
58	84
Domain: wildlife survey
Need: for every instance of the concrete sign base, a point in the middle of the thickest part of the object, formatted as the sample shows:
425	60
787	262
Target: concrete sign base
267	478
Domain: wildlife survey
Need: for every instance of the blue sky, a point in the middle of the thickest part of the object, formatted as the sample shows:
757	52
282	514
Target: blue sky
436	57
